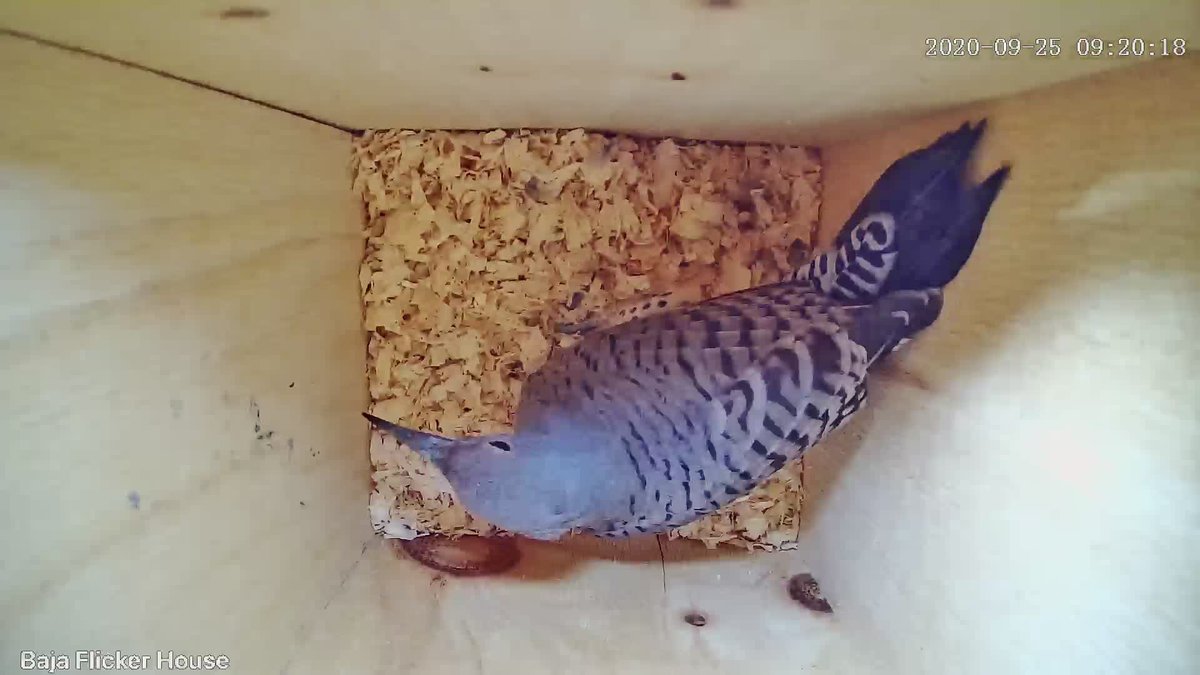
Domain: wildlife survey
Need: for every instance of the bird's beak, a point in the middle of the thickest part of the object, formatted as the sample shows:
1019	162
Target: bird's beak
431	446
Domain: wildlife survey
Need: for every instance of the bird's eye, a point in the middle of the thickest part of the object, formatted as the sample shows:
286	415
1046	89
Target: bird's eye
500	445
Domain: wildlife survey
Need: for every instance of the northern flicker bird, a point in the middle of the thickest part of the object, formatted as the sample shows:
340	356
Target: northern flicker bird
653	421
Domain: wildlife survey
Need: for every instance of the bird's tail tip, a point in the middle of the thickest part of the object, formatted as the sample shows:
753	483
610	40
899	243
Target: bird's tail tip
917	225
965	137
997	180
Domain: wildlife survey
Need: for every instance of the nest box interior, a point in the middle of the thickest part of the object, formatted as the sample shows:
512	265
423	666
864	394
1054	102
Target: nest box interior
185	349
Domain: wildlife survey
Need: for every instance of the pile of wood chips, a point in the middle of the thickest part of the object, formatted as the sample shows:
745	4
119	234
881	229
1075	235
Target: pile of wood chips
480	244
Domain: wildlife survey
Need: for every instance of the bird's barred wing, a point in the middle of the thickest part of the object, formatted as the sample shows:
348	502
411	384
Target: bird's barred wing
634	309
785	402
704	403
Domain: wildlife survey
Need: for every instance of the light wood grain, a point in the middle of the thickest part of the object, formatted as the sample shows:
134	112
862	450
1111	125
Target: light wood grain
754	69
1023	493
184	463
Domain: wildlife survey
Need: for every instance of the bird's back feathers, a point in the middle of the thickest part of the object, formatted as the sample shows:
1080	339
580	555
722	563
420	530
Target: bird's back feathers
704	403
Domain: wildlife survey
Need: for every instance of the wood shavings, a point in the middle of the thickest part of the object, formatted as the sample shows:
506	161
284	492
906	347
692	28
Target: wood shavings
479	245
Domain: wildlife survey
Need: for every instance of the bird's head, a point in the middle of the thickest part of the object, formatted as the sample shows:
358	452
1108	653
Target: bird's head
504	479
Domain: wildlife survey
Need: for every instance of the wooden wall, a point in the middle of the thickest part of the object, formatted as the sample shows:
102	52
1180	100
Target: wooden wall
185	468
1024	493
754	69
184	464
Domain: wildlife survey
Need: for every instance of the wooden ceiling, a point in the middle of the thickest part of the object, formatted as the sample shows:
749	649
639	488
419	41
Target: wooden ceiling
721	69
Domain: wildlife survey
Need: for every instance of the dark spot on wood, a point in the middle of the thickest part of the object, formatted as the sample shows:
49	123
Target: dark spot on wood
257	416
462	556
303	504
485	69
798	253
135	500
245	13
696	619
678	76
720	4
533	188
292	385
803	588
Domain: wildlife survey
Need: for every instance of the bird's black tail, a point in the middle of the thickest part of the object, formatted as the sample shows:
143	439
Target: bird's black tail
915	228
